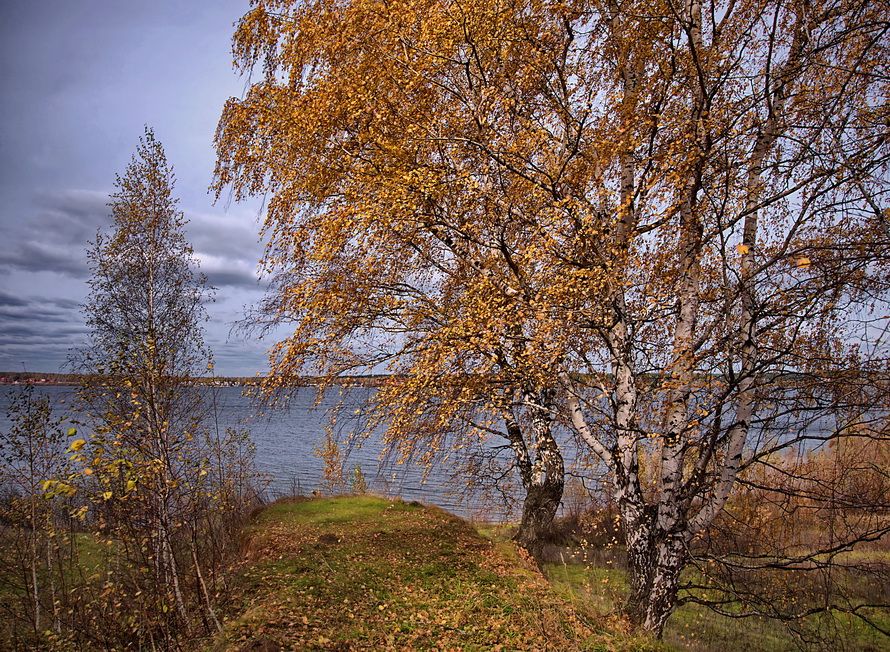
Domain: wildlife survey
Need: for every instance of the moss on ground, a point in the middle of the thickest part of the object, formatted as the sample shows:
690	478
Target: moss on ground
364	573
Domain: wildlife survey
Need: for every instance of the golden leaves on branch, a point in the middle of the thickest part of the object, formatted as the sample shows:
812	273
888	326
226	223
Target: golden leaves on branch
477	198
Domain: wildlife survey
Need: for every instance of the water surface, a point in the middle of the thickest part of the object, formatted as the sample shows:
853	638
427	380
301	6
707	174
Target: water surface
286	440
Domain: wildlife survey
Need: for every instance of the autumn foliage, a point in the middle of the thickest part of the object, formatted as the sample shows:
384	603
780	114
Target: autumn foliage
663	225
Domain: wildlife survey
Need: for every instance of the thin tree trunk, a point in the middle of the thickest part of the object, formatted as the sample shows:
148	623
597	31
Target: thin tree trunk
35	595
172	571
57	624
204	591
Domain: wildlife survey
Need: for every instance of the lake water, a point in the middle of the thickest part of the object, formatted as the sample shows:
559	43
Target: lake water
285	440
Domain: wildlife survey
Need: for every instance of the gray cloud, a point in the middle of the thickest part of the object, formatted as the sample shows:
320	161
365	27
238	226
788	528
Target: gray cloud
20	316
232	236
234	355
21	333
39	309
227	247
221	278
11	300
56	236
40	331
86	77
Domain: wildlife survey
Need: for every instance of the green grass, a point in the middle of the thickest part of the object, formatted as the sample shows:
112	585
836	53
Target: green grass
16	602
602	588
694	627
367	573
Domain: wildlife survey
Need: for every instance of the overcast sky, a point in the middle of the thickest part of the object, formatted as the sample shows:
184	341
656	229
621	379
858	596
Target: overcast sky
80	80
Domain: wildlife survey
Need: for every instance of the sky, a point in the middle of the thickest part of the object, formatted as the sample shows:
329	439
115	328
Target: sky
80	81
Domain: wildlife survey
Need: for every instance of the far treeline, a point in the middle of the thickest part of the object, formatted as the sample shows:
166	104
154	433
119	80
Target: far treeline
32	378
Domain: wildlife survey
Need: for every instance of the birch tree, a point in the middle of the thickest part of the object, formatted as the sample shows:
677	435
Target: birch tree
391	242
664	224
752	202
146	455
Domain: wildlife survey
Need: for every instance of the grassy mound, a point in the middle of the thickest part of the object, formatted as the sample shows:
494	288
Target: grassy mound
356	573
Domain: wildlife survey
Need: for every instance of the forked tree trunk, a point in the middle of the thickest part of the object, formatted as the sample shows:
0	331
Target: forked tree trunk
538	511
543	478
654	566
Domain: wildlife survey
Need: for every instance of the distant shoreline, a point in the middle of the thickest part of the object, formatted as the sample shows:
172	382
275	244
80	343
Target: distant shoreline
46	379
57	379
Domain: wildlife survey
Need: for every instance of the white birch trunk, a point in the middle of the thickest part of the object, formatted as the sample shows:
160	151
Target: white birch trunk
545	476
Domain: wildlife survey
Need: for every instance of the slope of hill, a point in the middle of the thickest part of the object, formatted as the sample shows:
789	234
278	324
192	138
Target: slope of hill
363	573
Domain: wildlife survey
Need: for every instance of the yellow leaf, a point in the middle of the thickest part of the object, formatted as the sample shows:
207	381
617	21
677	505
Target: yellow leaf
107	495
88	471
803	261
743	249
77	445
131	484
